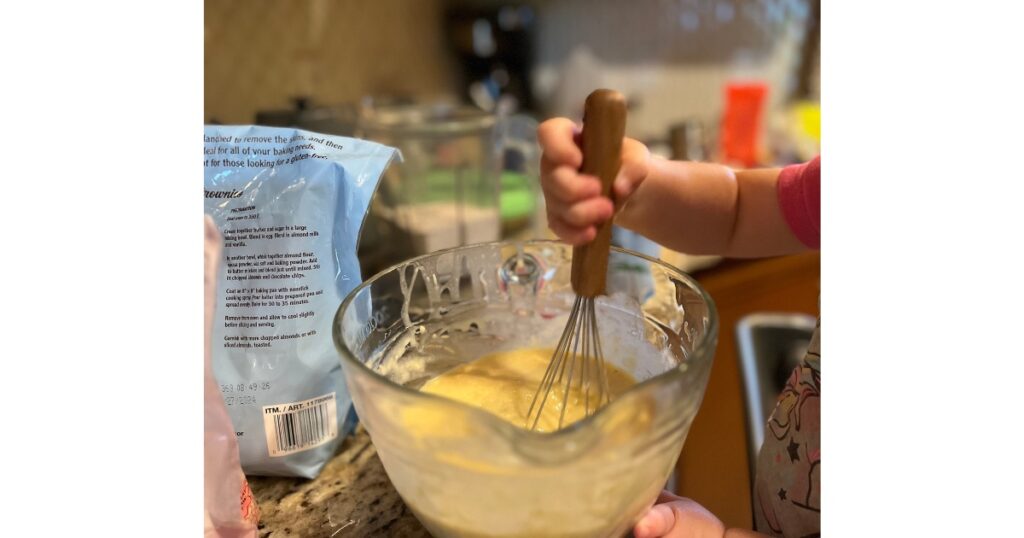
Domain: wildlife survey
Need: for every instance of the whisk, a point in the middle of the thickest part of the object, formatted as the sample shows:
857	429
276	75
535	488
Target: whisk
578	358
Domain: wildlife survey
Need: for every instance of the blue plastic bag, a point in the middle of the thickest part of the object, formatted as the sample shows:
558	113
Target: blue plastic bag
290	205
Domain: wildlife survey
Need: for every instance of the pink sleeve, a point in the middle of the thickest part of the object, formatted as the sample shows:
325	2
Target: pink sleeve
800	200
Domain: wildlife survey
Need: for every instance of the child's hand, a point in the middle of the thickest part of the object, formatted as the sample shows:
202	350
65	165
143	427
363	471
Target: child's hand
677	517
574	202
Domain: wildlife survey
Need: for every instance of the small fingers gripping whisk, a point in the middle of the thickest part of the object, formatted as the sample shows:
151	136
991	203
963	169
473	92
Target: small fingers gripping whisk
575	383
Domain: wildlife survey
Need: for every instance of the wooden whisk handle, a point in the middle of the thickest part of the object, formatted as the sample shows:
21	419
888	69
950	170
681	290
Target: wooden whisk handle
604	125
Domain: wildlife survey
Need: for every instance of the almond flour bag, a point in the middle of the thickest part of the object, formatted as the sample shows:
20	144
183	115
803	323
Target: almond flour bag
290	205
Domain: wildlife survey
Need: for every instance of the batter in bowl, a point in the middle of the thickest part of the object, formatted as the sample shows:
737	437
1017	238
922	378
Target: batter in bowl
504	384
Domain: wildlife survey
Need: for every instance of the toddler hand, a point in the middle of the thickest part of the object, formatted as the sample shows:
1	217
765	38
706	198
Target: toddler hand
574	202
677	517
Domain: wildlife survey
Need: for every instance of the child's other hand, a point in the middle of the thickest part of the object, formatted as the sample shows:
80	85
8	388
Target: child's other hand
677	517
574	202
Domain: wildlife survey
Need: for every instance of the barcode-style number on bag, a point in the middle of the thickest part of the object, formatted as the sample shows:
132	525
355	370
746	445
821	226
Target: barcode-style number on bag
294	427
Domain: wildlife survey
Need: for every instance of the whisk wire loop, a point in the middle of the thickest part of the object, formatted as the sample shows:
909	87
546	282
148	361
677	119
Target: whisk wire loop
578	360
554	369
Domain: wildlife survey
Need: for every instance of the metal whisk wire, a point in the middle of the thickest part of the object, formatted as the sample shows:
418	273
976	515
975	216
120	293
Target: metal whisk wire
579	347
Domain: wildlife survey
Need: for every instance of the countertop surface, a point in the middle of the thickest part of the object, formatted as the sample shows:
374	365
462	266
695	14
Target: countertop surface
352	497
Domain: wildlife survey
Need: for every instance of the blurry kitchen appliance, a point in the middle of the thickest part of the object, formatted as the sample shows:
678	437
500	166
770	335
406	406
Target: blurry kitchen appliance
456	163
493	45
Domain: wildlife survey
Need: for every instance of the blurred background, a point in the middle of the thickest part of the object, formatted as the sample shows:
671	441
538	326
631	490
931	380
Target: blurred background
673	58
459	85
456	84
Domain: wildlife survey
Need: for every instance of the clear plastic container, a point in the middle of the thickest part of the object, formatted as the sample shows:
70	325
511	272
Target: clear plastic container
465	472
455	183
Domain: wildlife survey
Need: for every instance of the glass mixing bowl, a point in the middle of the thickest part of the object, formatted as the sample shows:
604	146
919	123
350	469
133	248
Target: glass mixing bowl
463	471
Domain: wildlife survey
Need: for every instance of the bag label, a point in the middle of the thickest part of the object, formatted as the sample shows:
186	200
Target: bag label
298	426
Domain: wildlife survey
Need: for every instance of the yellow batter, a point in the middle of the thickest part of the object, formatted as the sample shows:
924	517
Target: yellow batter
504	384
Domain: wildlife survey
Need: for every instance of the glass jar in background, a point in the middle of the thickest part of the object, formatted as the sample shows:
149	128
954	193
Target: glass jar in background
466	176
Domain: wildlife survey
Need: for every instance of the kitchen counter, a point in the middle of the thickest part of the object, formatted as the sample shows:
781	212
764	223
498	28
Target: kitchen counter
351	498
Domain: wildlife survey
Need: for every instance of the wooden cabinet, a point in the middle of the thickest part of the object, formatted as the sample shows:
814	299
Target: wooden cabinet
713	468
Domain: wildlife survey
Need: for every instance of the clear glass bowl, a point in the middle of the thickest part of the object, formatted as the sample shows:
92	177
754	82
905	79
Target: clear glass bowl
463	471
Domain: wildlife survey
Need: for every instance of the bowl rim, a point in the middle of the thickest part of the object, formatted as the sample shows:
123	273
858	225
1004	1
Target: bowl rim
701	350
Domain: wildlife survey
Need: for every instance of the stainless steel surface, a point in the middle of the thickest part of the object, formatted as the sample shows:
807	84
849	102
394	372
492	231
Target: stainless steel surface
770	346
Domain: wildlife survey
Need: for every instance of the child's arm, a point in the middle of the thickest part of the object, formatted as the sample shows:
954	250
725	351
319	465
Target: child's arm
696	208
700	208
